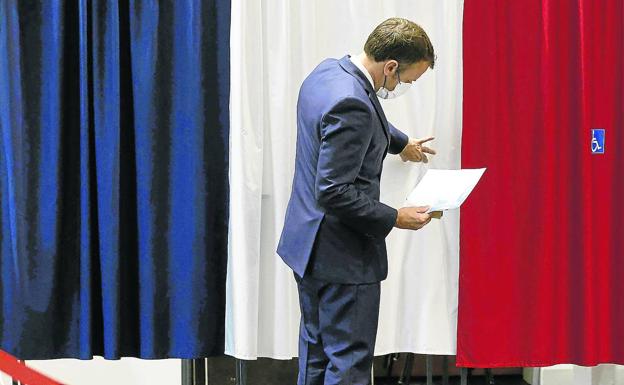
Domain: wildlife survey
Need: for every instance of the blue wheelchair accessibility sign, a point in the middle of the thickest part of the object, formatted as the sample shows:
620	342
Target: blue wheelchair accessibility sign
598	141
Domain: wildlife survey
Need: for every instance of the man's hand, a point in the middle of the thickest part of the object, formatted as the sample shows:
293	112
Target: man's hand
412	218
415	151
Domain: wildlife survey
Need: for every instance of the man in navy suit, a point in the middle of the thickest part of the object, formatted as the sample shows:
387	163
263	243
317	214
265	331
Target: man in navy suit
335	226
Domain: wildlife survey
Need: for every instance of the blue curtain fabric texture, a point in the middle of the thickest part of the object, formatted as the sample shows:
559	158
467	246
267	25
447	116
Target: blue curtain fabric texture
113	178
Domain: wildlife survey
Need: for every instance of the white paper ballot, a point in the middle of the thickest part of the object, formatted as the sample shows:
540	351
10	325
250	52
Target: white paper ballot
444	189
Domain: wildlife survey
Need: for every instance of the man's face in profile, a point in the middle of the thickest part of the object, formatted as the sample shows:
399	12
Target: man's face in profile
407	74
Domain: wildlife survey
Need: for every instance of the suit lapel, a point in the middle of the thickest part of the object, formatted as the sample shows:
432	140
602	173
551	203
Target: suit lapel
348	66
382	116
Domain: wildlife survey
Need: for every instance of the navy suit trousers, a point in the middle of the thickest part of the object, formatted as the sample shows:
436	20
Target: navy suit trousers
338	331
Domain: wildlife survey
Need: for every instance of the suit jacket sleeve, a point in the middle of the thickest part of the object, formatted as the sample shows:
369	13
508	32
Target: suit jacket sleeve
346	132
398	140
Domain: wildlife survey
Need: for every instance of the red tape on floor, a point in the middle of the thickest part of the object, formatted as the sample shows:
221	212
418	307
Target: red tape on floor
22	373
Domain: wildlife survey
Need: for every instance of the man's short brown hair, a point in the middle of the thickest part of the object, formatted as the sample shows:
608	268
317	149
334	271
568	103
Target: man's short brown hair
401	40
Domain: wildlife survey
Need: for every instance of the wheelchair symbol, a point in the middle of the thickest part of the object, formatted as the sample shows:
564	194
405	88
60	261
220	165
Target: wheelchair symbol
595	145
597	141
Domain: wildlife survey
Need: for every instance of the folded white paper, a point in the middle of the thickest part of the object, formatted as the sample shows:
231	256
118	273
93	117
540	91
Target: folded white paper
444	189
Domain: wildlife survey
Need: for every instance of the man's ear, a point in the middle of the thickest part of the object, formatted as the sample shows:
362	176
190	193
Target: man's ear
390	67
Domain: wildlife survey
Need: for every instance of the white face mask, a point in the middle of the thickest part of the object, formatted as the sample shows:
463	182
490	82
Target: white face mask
399	90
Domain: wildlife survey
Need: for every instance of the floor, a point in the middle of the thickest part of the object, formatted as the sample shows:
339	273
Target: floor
222	371
477	380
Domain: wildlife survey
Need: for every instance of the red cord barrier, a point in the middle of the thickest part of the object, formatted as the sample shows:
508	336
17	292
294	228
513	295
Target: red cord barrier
22	373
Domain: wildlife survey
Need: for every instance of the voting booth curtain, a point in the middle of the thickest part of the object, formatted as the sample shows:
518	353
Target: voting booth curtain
123	189
113	178
275	44
542	235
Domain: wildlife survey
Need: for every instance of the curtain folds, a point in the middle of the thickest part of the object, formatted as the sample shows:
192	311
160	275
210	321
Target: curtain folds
542	235
114	124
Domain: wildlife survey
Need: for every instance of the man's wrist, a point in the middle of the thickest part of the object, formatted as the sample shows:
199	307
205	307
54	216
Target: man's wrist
398	142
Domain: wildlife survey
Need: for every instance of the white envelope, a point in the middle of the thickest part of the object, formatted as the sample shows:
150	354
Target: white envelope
444	189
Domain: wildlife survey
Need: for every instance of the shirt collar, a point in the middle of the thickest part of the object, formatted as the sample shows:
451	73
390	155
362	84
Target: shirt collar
358	63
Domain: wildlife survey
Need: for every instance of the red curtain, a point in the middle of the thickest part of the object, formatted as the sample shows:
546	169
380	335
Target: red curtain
542	235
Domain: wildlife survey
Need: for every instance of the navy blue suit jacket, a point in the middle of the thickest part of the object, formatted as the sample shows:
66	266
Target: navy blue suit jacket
335	226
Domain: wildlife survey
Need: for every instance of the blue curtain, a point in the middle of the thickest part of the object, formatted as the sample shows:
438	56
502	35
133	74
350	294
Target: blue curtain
113	177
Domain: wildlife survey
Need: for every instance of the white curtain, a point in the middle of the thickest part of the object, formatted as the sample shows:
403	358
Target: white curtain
274	45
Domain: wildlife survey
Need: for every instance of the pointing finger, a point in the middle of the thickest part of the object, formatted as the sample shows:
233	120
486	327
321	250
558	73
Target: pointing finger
425	140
